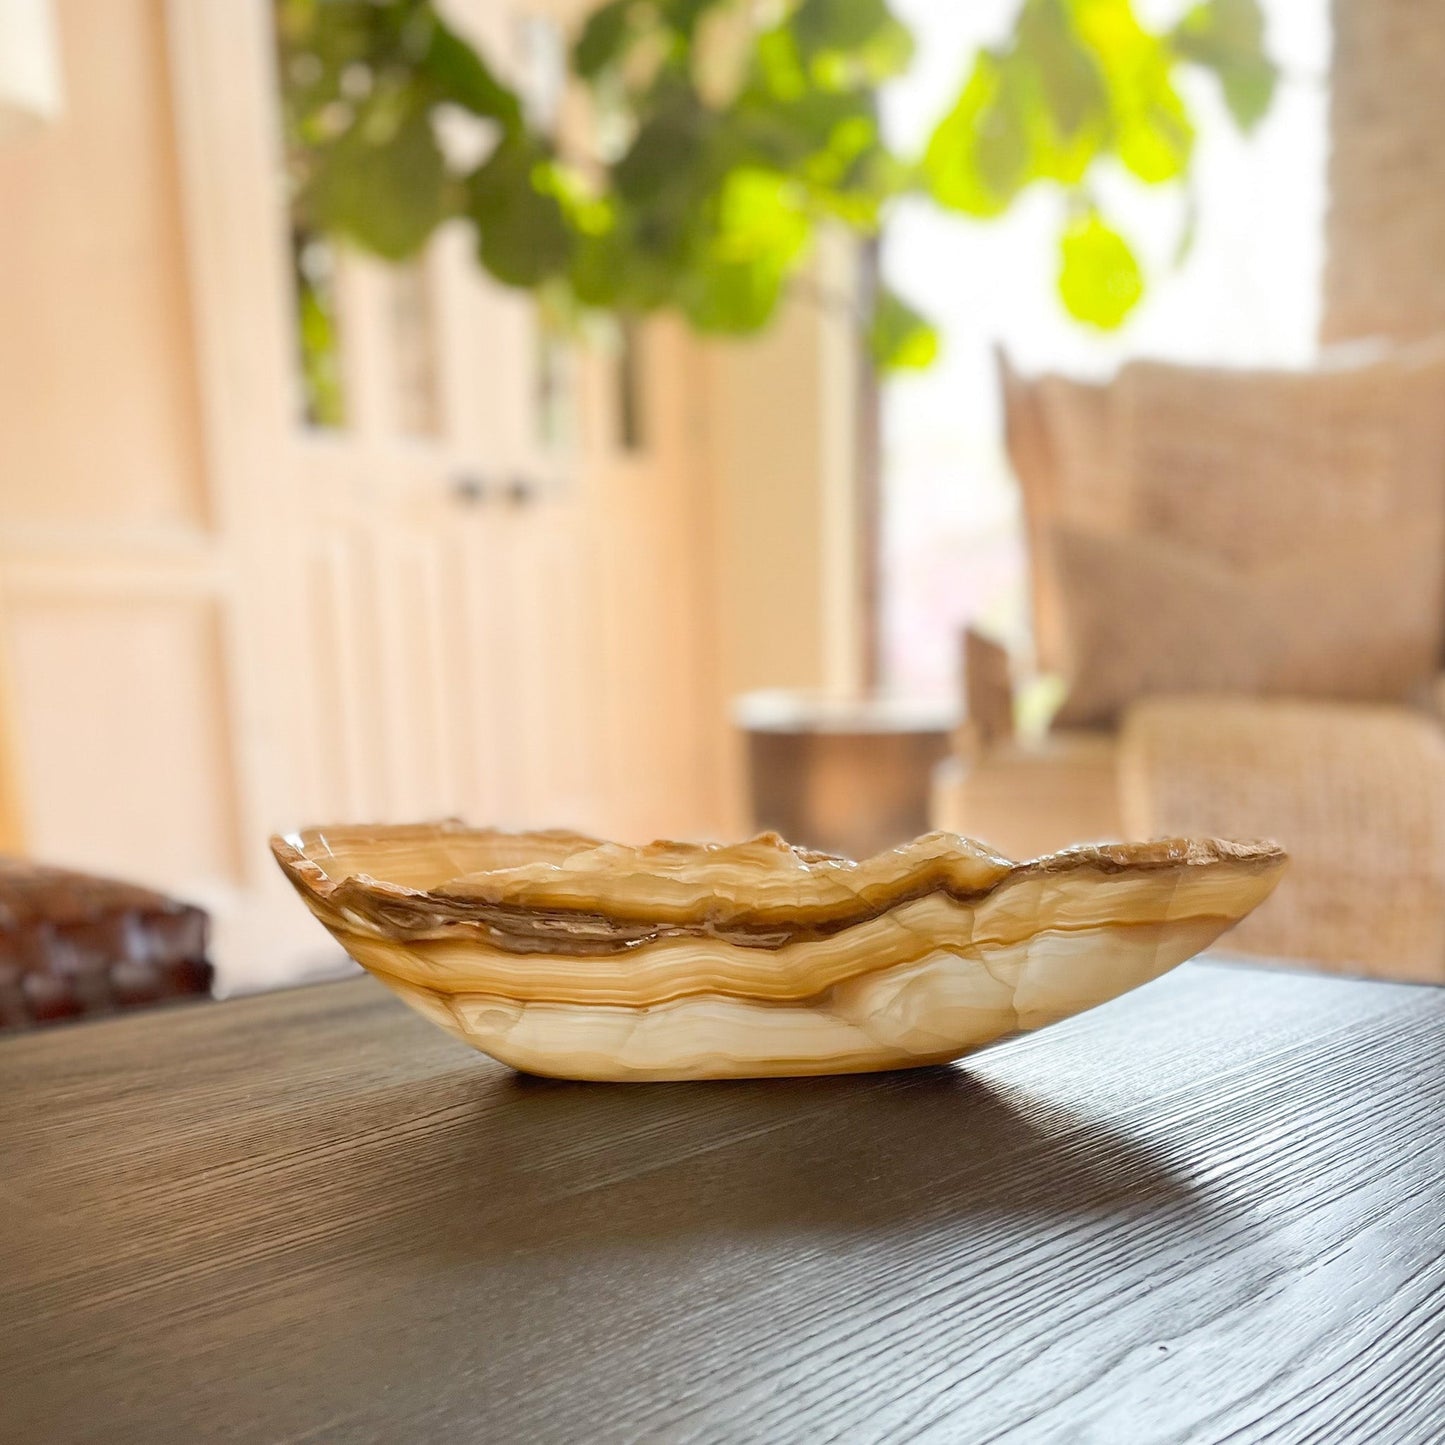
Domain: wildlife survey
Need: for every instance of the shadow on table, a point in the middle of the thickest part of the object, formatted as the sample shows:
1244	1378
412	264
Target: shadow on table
574	1166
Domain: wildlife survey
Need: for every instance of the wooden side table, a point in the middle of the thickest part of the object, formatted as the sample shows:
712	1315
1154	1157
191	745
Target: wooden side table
844	776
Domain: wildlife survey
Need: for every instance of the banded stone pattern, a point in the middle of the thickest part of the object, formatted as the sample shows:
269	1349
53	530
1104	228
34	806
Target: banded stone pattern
568	956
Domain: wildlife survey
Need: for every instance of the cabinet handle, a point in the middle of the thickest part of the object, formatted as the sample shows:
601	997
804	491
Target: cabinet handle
469	490
522	491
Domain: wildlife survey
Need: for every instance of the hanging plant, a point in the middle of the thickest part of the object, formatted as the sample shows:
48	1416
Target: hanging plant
725	132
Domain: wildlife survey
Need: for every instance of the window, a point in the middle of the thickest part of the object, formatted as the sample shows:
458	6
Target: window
1248	294
321	385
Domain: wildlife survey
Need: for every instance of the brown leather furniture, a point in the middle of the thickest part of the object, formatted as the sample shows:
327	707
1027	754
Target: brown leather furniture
73	945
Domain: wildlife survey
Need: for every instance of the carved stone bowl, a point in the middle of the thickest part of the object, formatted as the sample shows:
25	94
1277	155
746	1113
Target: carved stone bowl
563	955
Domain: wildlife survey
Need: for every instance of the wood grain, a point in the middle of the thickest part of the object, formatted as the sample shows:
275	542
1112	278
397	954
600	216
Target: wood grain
1209	1211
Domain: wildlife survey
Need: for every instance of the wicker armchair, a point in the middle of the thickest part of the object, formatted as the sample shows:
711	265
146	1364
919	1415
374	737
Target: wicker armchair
1355	790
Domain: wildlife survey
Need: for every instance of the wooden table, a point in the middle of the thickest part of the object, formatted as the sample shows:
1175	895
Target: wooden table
849	776
1212	1210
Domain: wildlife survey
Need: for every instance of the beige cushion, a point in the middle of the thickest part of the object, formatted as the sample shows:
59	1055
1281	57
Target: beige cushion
1244	468
1247	465
1061	439
1359	618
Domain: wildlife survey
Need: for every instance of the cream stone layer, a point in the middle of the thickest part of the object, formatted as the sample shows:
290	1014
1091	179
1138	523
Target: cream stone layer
932	1012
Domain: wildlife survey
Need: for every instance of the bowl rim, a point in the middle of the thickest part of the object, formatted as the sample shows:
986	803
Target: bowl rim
937	862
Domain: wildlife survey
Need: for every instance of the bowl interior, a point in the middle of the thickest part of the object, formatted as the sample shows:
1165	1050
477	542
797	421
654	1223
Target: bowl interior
425	856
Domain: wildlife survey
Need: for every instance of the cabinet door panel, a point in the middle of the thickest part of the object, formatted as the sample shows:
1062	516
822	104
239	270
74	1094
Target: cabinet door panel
465	581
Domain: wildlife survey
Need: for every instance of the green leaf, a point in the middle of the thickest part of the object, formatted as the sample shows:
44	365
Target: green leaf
597	272
604	39
888	53
760	215
464	78
1066	102
899	337
1249	88
1100	281
822	25
685	15
978	157
1157	140
1153	134
667	151
1071	86
786	132
523	234
732	298
613	270
846	43
780	69
1227	37
384	187
736	275
856	188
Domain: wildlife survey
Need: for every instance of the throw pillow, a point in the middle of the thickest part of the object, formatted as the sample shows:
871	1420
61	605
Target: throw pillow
1358	617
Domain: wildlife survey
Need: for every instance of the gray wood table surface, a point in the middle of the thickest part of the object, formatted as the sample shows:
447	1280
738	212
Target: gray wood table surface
1212	1210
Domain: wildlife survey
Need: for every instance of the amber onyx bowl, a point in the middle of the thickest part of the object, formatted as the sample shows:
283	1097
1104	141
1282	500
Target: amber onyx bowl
560	954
